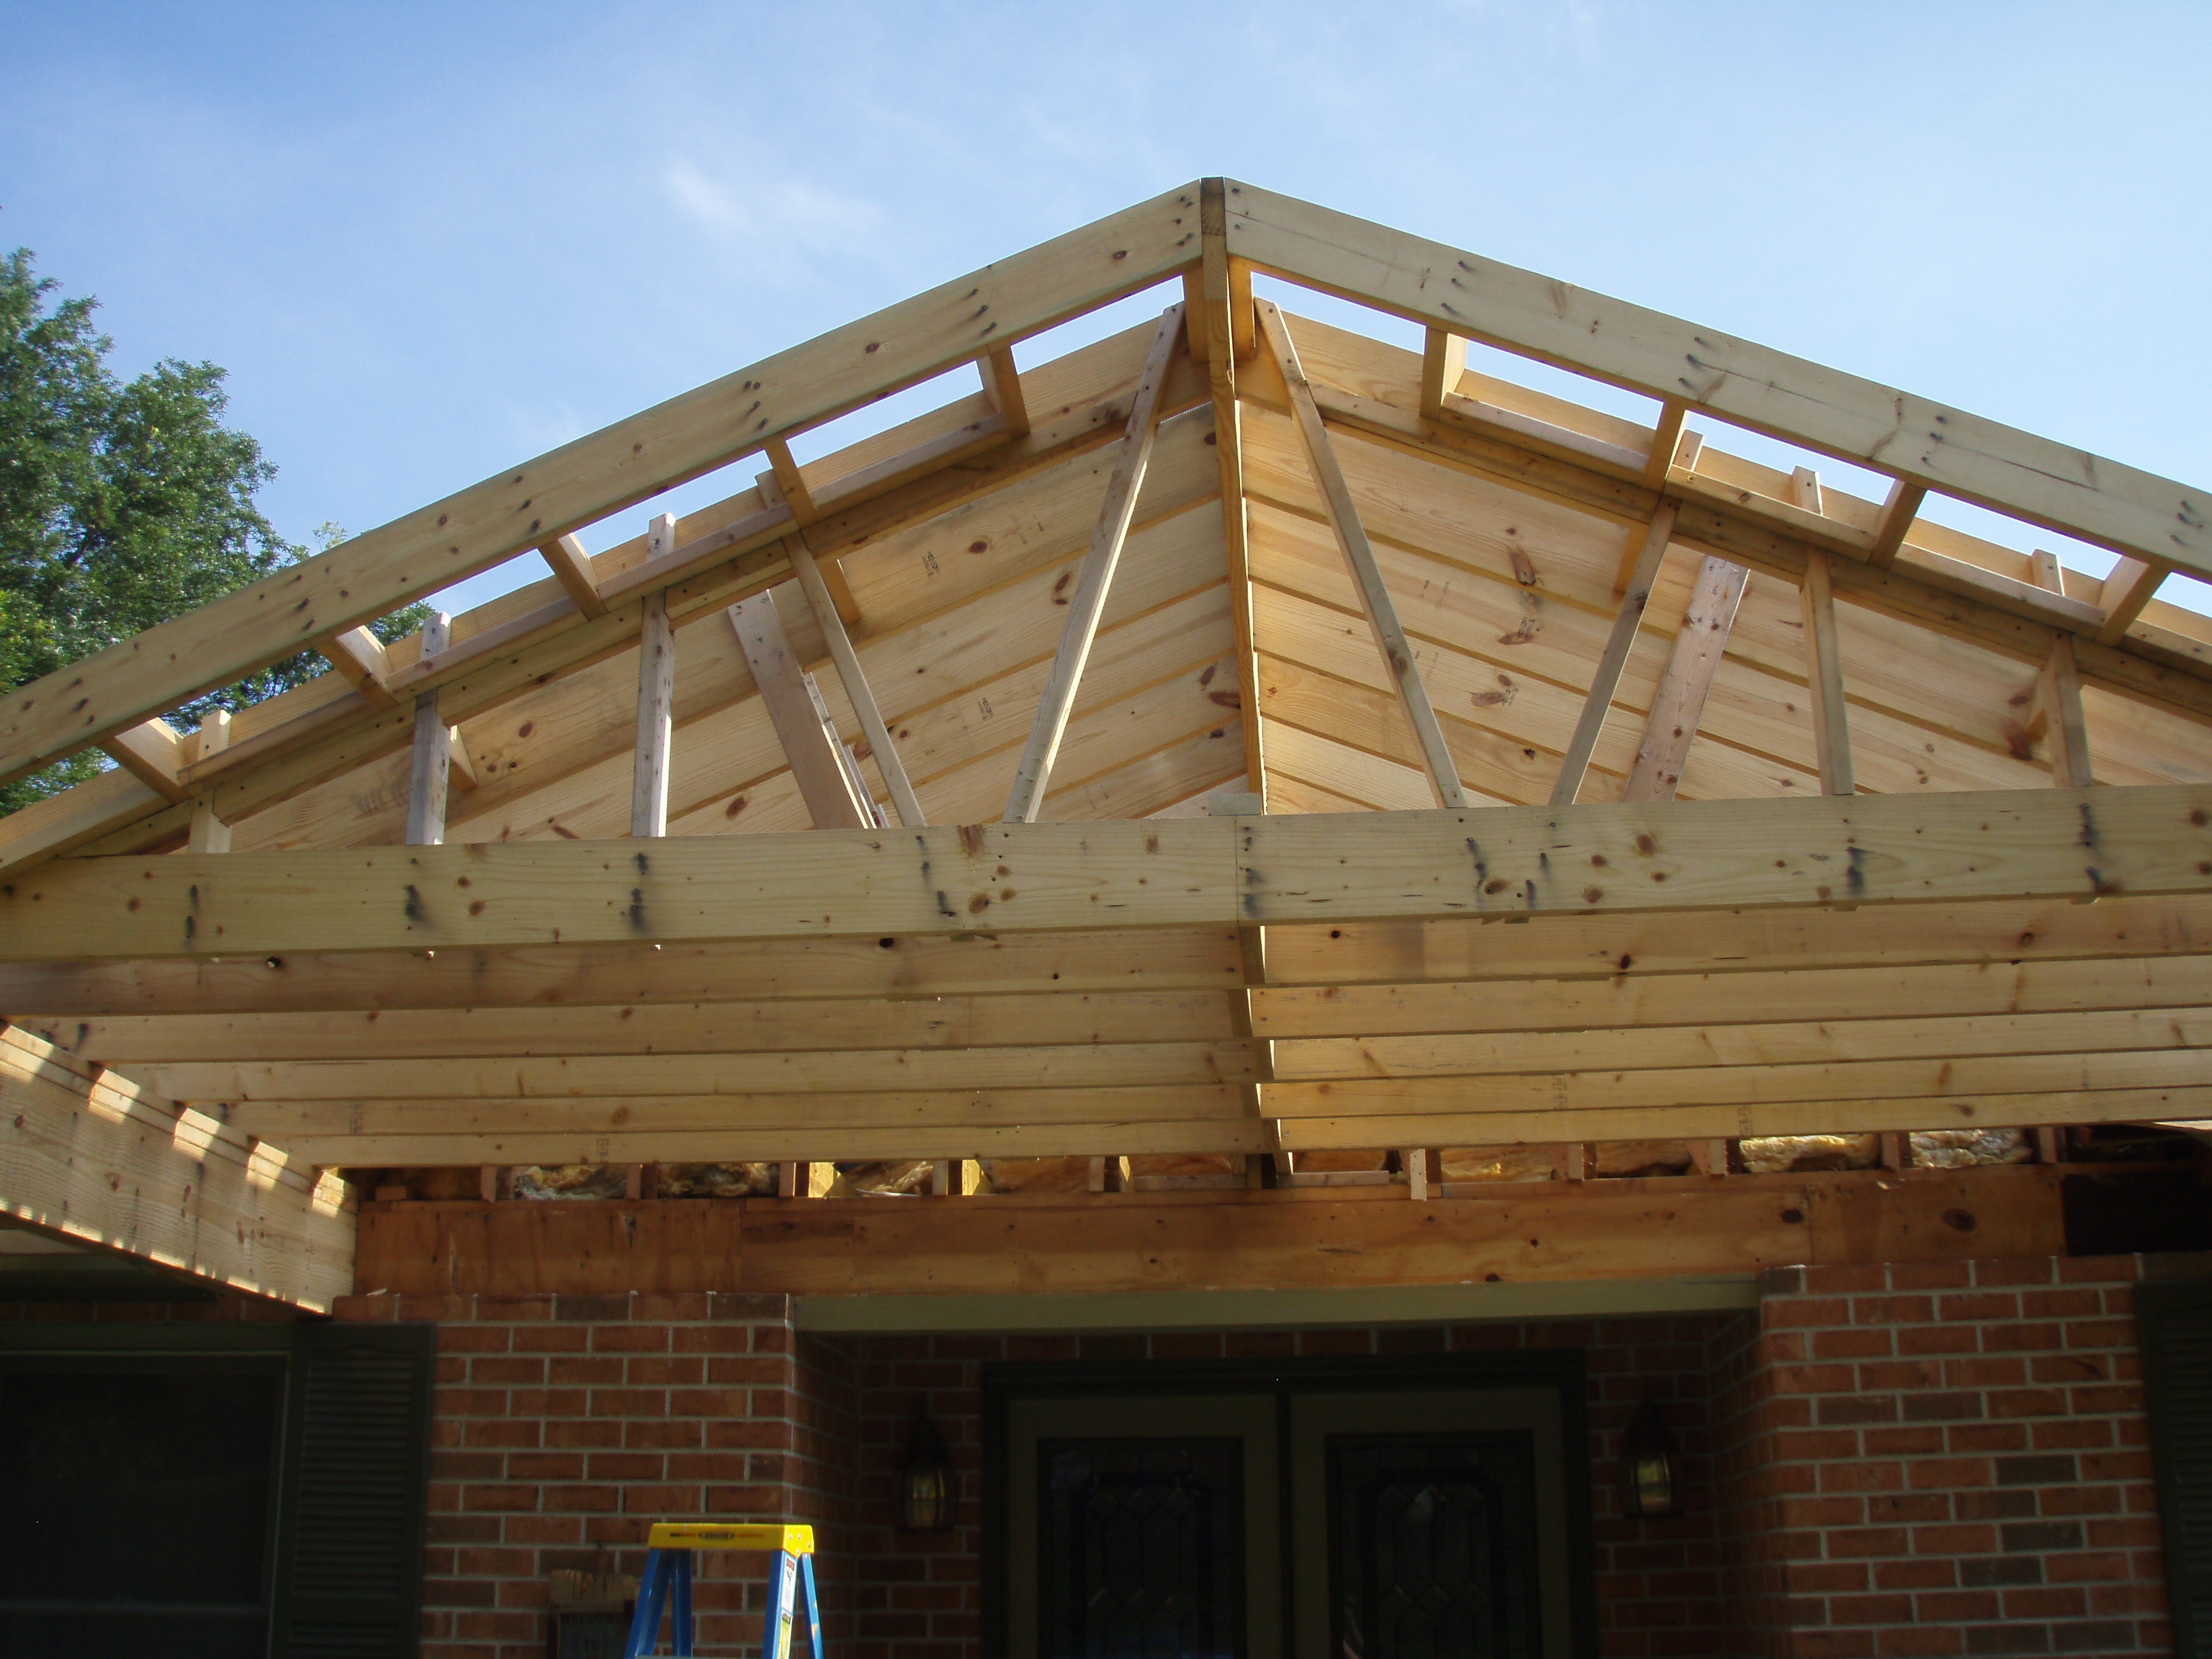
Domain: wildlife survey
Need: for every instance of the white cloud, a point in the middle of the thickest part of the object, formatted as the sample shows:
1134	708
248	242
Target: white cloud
779	226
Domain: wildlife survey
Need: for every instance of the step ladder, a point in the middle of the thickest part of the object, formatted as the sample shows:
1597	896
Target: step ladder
667	1583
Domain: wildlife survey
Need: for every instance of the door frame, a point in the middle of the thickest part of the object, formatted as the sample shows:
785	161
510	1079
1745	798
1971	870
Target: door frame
1560	1371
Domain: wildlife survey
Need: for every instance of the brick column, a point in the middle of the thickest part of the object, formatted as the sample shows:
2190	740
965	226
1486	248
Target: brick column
1940	1461
565	1426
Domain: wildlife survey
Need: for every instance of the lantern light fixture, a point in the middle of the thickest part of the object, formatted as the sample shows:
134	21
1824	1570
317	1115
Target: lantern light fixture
1651	1473
925	1482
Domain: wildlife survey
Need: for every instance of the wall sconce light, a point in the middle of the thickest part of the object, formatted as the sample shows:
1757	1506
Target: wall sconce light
925	1482
1650	1475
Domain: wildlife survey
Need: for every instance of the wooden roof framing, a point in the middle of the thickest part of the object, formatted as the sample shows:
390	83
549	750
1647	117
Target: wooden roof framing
1936	934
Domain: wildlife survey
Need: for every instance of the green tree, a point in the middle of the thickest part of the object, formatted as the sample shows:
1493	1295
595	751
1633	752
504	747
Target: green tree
122	504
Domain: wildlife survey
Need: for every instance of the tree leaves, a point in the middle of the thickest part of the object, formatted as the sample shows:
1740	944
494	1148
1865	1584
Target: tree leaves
122	504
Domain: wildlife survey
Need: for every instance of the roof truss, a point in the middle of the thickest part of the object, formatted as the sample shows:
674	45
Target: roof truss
1274	499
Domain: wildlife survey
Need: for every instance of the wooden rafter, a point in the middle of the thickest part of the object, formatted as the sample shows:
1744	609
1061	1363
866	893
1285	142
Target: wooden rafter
1927	446
150	753
1087	603
2131	586
383	569
288	752
1002	385
1352	541
571	566
89	1156
1605	679
854	679
1680	702
361	659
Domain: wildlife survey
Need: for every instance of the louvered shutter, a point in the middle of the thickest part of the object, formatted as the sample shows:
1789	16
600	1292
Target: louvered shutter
2176	1323
357	1436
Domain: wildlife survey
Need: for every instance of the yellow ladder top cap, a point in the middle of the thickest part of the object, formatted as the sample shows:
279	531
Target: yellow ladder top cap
730	1535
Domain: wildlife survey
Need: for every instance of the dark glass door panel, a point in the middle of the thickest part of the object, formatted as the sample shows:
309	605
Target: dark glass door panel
1143	1547
1432	1546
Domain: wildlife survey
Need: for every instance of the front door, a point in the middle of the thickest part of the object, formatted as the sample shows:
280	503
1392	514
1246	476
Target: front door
1310	1519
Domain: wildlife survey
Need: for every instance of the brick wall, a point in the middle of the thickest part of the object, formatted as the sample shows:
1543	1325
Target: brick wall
1879	1461
565	1425
1940	1461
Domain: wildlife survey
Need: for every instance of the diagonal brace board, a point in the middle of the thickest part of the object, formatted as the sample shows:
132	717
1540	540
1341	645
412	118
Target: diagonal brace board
1366	573
1010	878
795	710
519	509
1088	603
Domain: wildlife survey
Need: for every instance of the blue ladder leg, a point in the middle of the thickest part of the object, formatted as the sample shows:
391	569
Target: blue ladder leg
645	1622
813	1607
680	1613
775	1643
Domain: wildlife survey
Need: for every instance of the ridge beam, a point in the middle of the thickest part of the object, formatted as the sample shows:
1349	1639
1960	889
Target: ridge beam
1680	702
1576	762
1088	603
1824	679
1352	541
855	679
1210	333
820	766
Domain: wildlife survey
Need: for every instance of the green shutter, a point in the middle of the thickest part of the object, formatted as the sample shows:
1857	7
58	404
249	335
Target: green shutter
357	1477
2176	1323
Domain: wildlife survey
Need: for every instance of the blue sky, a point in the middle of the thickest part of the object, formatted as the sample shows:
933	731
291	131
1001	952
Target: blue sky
429	241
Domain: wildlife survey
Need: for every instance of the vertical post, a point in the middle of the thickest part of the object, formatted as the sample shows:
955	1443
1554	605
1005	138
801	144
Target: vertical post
210	833
1416	1162
2071	767
656	698
1824	678
427	784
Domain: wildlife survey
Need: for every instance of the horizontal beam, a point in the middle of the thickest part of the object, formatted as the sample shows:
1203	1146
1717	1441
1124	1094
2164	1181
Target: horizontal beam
1909	437
509	1141
800	1025
1128	1243
1546	1126
640	973
89	1158
1010	878
709	1075
524	507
